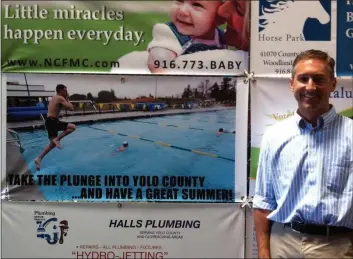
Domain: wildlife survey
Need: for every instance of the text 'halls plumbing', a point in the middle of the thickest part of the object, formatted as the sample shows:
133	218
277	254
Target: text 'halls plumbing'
154	223
34	12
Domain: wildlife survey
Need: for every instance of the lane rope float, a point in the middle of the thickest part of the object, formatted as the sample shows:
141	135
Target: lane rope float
179	126
164	144
224	122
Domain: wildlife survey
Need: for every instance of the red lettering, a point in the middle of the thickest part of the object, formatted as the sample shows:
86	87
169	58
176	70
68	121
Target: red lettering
95	255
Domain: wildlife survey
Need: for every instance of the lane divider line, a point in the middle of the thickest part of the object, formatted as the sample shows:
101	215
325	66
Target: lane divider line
178	126
165	144
203	153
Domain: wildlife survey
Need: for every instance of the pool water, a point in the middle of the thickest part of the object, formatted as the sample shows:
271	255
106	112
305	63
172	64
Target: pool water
91	150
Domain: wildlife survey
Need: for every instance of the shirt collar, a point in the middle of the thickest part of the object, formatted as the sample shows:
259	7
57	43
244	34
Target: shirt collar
326	118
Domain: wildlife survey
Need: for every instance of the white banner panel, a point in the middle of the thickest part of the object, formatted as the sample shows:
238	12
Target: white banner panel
272	101
53	230
251	243
282	29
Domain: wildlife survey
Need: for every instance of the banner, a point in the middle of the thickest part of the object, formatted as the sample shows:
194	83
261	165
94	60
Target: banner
326	25
3	136
129	138
71	230
126	37
272	101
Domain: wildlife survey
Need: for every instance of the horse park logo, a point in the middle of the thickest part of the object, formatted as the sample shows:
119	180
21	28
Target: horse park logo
50	228
304	20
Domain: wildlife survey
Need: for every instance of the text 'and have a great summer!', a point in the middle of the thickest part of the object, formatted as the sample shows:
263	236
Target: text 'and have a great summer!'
140	187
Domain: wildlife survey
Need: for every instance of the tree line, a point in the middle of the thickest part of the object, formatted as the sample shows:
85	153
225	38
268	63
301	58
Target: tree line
225	91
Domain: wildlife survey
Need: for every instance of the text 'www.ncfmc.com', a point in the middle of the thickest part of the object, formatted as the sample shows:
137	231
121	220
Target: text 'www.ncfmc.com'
62	62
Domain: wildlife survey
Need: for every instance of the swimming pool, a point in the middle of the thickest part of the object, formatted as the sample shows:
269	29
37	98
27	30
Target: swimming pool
90	150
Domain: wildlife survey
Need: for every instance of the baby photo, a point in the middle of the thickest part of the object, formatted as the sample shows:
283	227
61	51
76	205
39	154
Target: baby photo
192	35
193	28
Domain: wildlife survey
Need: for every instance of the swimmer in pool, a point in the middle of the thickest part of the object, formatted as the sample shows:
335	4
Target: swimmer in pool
123	147
221	131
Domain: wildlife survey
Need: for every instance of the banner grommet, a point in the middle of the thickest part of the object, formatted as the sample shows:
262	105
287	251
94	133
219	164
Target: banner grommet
249	77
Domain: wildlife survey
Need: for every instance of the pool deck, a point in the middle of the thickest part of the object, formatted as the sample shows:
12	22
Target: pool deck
91	118
16	165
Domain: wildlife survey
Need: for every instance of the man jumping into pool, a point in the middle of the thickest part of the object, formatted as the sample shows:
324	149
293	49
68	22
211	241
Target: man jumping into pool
53	124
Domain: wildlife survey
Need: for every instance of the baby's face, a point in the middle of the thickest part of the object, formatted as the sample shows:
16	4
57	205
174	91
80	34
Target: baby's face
195	18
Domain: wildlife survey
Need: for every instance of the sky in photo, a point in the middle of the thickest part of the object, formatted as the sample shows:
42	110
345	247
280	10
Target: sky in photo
134	86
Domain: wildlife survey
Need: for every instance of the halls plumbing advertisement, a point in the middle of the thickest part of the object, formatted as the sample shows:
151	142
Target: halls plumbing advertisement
130	138
126	37
272	101
281	29
137	231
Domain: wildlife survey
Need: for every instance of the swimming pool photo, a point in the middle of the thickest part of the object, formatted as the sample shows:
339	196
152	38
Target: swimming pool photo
173	145
144	138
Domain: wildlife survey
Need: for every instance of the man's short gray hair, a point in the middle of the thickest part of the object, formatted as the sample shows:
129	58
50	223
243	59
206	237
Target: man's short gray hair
315	54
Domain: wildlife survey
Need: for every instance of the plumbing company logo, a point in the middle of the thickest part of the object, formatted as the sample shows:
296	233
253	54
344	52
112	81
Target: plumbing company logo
295	20
49	228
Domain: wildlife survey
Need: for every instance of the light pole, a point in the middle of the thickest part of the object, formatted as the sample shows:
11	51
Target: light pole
27	85
207	81
155	90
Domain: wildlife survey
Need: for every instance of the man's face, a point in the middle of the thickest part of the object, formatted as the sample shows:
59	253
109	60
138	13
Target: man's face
233	13
195	18
64	92
312	85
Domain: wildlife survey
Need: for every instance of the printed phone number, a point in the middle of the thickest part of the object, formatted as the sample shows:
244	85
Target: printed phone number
187	64
283	71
